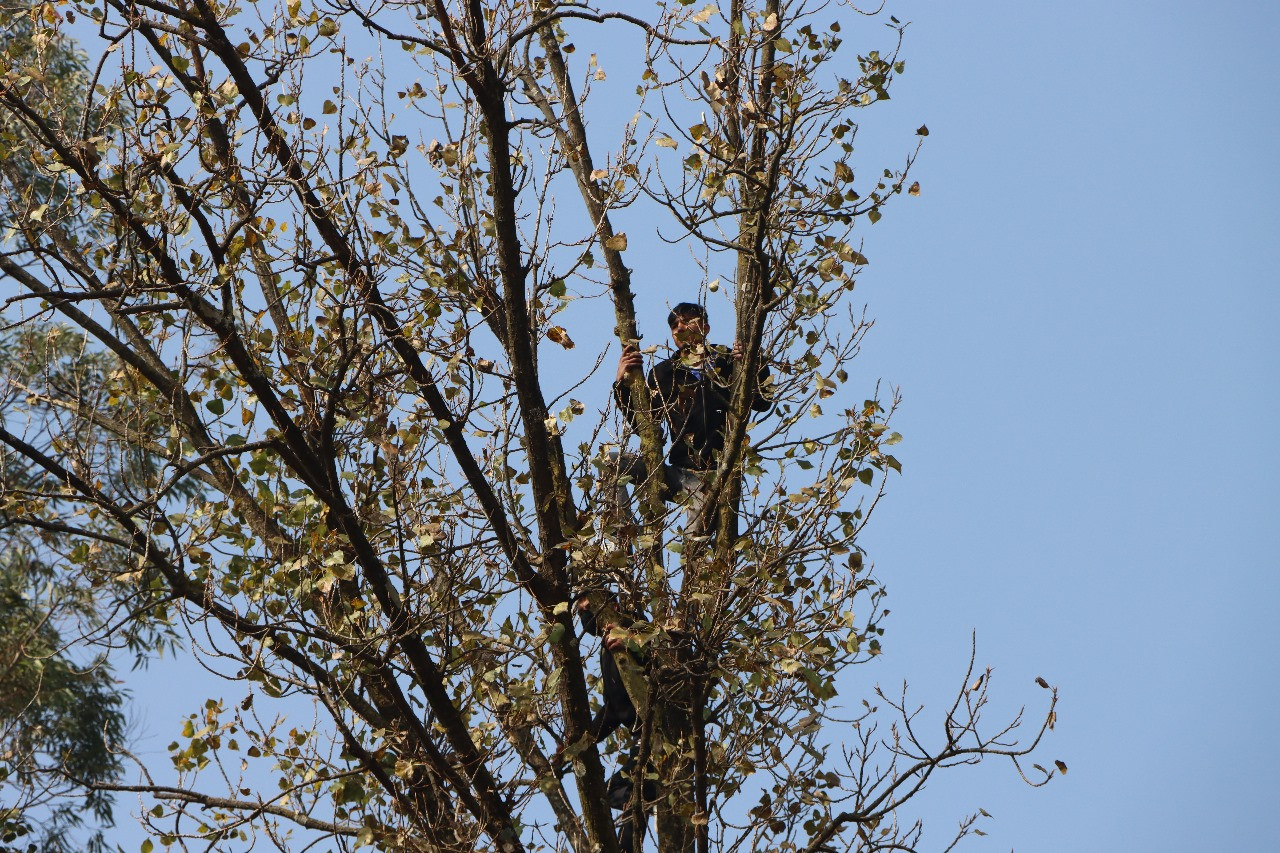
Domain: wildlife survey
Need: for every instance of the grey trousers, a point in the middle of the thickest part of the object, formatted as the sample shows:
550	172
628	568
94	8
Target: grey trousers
682	486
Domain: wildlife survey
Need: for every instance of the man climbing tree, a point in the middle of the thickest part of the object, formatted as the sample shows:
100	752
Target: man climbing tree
690	392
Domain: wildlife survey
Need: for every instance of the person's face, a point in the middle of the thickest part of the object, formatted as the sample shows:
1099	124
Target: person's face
690	330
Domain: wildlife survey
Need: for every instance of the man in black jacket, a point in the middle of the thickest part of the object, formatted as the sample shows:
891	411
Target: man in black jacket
689	394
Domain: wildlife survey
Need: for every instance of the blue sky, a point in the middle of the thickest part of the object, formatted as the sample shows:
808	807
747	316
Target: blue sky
1078	312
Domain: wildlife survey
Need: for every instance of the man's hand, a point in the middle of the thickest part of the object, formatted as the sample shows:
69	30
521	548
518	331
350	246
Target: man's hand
616	641
612	640
630	360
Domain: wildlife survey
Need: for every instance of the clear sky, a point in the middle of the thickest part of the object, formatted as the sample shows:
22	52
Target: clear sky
1077	311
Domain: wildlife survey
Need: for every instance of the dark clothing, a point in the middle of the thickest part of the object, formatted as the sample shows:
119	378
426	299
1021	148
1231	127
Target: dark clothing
617	709
690	392
619	791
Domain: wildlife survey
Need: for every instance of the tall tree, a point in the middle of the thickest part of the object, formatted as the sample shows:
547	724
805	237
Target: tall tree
330	257
73	602
60	720
61	709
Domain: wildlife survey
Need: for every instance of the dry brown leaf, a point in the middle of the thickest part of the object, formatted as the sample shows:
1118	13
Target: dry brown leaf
557	334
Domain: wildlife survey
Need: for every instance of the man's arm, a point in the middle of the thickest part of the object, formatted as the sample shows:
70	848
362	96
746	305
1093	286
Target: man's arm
630	362
599	626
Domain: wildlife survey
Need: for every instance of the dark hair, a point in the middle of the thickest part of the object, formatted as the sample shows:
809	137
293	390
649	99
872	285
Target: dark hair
685	310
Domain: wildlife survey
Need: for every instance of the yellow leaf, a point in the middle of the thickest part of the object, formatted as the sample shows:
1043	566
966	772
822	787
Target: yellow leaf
771	22
914	189
665	142
599	174
851	255
557	334
618	242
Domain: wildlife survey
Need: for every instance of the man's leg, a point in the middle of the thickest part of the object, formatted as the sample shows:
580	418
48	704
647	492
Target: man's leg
620	790
688	488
